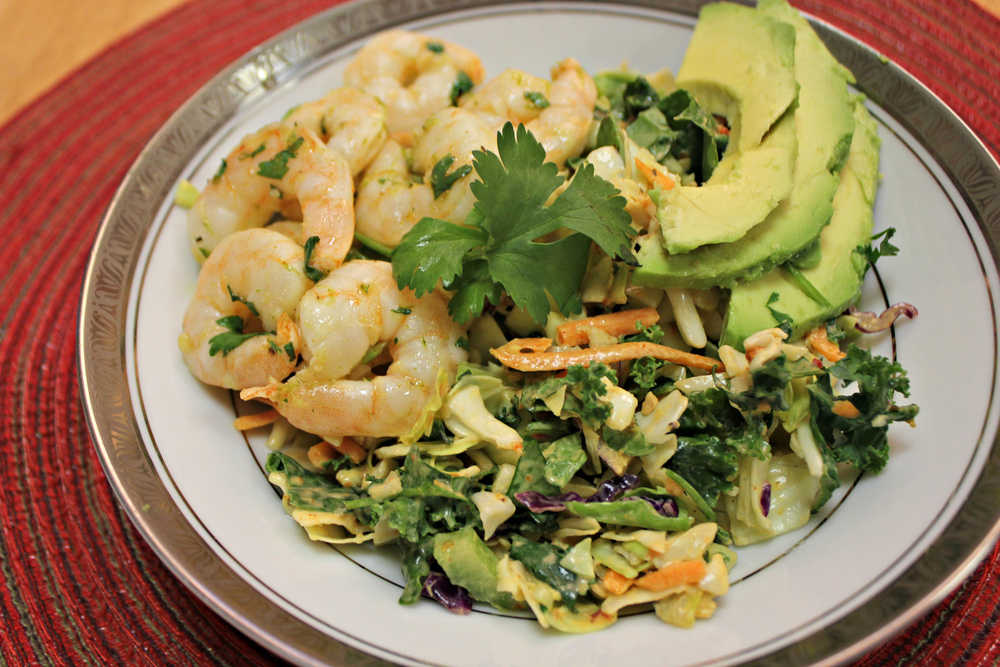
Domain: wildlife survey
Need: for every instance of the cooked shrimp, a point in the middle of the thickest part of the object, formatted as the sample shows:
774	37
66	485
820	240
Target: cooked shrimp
558	113
562	127
349	121
253	266
345	318
282	172
389	200
412	74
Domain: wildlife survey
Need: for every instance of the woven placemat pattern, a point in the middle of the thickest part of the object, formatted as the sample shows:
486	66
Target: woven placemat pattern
78	585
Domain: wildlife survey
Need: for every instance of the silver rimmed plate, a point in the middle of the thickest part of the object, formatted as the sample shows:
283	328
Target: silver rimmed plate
885	551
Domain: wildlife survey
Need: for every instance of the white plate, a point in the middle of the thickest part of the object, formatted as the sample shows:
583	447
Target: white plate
869	564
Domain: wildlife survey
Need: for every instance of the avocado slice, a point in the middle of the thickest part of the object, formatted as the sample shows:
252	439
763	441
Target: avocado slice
471	564
824	123
738	196
839	275
734	54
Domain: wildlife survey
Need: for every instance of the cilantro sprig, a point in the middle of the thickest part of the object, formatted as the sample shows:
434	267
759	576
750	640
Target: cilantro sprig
277	166
500	246
441	180
872	253
228	341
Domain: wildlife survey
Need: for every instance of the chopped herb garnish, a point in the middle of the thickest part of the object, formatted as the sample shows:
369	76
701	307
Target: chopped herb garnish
536	98
884	249
402	310
220	172
255	152
290	351
462	85
249	304
462	343
312	273
784	321
277	166
435	47
441	180
205	252
228	341
498	244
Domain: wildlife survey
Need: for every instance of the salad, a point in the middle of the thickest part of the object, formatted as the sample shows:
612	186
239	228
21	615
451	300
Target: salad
564	344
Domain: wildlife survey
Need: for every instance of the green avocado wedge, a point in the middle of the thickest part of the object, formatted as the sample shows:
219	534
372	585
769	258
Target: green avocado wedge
736	199
734	54
824	124
839	274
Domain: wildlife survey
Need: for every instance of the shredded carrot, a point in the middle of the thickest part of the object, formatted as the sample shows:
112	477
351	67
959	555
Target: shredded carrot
654	176
351	450
320	453
247	422
621	323
820	344
674	574
616	584
845	409
531	354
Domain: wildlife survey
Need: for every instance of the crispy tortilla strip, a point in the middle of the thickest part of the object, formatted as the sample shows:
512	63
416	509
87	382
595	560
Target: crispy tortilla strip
531	354
575	332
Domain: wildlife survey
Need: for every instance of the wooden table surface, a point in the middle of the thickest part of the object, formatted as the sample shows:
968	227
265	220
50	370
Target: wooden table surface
43	40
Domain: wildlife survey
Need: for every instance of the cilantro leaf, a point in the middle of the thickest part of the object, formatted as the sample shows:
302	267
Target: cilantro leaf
462	85
434	47
218	174
441	180
312	273
249	304
433	250
537	99
500	246
228	341
277	166
784	321
884	249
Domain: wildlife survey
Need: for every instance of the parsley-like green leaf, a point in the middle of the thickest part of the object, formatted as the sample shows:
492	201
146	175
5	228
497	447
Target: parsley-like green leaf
784	321
277	166
433	250
312	273
537	99
434	47
220	171
402	310
441	180
462	85
871	253
228	341
499	245
236	297
290	351
254	153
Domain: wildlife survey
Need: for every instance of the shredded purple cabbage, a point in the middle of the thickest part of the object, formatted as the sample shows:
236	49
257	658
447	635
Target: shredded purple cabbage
538	502
869	322
454	598
611	489
765	499
608	491
665	506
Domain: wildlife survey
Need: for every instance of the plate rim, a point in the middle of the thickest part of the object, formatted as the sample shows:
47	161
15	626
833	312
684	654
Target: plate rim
102	324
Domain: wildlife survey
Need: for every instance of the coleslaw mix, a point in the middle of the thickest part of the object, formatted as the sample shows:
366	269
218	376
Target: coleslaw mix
604	441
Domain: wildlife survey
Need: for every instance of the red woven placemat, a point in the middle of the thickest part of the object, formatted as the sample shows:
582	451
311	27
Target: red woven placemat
79	585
